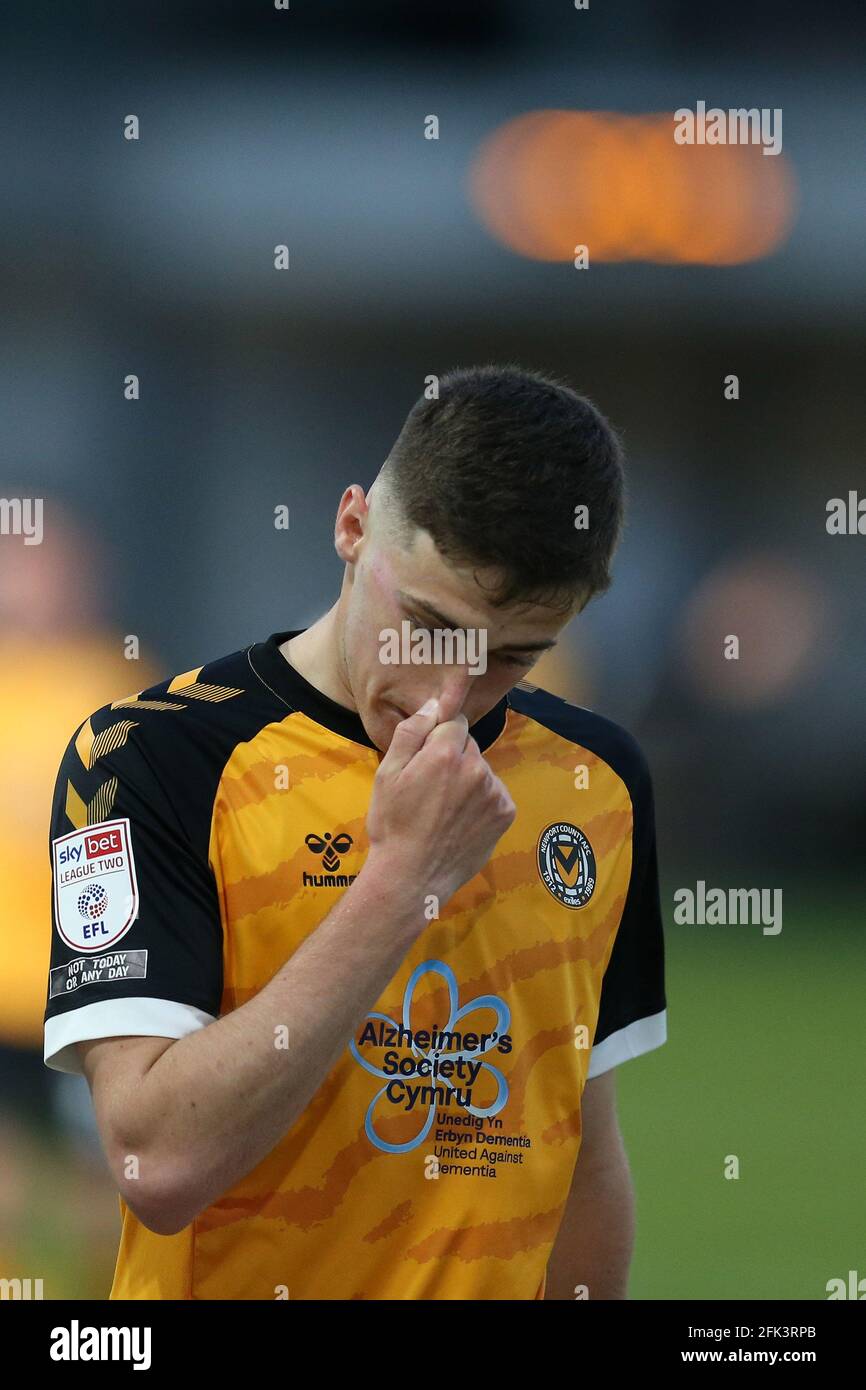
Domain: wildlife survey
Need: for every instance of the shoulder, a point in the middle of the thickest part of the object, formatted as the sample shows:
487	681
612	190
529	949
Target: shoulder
163	747
587	729
223	698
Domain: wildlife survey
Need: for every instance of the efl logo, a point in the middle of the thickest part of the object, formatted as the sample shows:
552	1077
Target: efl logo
107	842
95	886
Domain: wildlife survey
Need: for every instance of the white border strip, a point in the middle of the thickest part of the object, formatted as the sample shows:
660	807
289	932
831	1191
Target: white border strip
117	1018
638	1037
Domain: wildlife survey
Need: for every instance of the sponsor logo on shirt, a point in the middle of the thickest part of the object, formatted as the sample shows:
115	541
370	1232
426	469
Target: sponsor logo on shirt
95	887
331	848
422	1069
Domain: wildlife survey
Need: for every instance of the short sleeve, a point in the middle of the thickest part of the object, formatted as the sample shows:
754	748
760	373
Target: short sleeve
136	940
632	1012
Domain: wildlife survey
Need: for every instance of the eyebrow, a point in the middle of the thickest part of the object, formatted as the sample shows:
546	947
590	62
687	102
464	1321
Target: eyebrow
409	601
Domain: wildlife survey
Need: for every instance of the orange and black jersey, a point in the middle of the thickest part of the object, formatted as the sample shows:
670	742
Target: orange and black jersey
203	828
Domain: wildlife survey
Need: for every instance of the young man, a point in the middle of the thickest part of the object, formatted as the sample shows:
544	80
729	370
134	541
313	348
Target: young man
347	945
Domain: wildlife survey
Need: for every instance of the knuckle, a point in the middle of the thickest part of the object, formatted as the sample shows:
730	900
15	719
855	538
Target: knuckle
447	754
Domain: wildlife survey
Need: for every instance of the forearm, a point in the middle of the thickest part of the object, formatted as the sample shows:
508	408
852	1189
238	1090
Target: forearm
216	1102
594	1243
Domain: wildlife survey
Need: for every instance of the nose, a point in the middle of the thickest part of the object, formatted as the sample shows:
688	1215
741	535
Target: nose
456	685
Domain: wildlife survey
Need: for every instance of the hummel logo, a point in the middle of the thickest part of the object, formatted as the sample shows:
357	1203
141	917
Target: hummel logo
330	849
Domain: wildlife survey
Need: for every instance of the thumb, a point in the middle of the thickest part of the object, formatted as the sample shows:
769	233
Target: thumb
409	735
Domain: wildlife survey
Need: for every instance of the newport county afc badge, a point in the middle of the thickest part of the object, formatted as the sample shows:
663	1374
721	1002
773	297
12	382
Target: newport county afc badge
566	864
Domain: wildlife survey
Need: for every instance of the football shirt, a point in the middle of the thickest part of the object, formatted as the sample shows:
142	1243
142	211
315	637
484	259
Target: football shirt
204	827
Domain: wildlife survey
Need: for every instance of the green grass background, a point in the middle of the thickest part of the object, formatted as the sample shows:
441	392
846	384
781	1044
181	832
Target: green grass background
765	1059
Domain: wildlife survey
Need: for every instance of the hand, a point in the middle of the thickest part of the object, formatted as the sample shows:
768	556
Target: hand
437	809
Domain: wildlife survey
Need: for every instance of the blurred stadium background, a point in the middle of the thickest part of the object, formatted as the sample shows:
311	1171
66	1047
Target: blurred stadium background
409	256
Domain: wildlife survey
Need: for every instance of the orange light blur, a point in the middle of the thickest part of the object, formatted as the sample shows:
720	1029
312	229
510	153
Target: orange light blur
549	181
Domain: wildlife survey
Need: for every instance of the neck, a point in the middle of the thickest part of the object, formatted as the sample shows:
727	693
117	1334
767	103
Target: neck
318	654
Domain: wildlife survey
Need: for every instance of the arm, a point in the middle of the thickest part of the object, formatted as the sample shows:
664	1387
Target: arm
595	1239
200	1112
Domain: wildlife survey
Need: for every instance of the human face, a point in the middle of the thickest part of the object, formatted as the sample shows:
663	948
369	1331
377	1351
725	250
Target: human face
387	585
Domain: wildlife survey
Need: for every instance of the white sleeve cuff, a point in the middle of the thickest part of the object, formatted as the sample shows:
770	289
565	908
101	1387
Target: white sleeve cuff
117	1018
641	1036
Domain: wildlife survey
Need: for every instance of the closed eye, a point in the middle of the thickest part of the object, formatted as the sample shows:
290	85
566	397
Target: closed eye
516	661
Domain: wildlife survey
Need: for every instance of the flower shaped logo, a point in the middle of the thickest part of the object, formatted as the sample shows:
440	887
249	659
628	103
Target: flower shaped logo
455	1014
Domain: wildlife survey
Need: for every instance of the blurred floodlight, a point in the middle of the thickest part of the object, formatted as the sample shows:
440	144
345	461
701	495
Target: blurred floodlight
549	181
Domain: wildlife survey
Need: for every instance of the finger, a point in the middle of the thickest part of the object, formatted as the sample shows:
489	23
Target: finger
449	704
409	736
454	731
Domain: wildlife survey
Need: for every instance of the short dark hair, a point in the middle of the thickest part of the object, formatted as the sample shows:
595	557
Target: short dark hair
494	468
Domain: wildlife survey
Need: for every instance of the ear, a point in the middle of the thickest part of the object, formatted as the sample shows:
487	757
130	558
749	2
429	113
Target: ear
351	524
